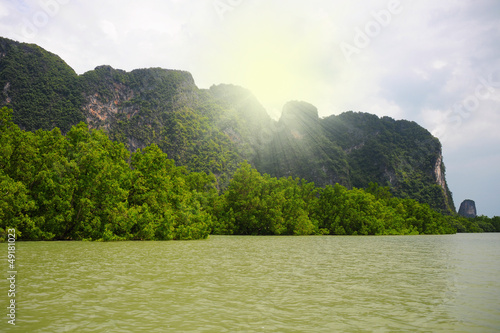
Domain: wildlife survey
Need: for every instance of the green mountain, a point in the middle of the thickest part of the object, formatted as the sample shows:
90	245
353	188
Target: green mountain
400	154
40	86
300	147
214	130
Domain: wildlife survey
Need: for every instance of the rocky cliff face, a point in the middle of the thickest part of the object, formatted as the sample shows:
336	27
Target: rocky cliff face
115	100
103	101
440	176
468	209
439	172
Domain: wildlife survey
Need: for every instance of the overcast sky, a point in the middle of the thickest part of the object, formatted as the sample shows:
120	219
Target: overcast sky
433	62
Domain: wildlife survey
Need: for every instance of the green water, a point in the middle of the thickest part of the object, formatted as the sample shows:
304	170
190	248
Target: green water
259	284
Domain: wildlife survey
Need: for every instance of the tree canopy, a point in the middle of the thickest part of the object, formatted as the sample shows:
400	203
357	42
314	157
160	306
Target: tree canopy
83	186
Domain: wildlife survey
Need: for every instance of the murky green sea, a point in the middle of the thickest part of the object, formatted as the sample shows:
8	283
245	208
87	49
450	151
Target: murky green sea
258	284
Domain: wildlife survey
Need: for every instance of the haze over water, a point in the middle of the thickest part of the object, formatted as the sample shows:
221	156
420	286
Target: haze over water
260	284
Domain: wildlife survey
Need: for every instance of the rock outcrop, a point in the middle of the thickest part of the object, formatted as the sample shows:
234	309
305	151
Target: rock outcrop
468	209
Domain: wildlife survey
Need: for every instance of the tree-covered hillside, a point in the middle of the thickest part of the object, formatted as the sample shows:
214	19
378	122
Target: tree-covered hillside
165	107
42	89
214	130
399	154
300	148
83	185
355	149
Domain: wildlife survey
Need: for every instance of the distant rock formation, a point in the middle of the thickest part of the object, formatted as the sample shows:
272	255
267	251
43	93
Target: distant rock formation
468	209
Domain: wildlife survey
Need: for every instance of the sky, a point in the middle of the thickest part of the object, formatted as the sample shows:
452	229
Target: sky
433	62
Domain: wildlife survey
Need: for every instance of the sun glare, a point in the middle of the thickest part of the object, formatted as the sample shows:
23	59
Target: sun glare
270	67
269	72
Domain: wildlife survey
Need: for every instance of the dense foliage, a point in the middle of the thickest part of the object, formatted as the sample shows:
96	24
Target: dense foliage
355	149
40	86
399	154
85	186
477	224
256	204
299	148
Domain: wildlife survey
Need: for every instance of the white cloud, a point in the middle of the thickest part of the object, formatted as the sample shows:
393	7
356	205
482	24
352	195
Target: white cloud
4	11
438	64
109	30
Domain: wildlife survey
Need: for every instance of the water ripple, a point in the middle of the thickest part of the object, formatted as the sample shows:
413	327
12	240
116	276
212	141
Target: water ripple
261	284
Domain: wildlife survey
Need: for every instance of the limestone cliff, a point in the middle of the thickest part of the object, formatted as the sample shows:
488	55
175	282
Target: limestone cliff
468	209
115	100
214	130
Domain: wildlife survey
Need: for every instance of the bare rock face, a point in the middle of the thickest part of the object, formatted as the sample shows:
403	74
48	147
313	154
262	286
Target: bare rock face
468	209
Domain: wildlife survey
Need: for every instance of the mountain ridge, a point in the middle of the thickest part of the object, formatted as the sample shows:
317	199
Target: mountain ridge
213	130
